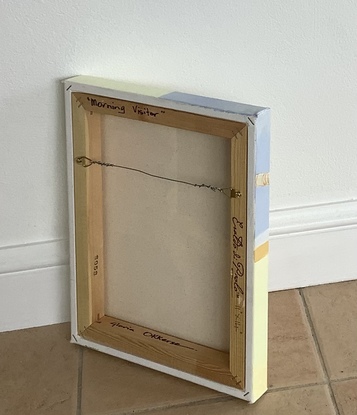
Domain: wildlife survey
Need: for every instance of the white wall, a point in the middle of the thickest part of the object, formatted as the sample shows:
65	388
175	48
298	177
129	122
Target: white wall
299	58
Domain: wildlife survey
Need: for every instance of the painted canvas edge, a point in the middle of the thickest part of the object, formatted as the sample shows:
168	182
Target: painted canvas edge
71	210
259	284
114	85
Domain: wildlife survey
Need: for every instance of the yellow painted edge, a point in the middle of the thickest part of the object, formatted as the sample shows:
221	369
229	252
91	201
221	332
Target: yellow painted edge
260	329
119	85
262	179
261	251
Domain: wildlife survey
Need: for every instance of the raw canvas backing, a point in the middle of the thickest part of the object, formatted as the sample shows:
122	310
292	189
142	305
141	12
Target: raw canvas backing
167	244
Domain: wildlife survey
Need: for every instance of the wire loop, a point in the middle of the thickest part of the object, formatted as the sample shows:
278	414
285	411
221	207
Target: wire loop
84	161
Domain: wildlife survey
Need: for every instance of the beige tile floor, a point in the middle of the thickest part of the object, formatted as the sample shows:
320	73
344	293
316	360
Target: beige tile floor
312	368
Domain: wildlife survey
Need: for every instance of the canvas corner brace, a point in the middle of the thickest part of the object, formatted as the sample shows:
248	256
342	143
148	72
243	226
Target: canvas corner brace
243	371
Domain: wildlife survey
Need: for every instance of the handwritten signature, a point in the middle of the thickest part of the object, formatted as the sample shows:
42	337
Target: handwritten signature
121	326
238	267
163	339
238	270
153	336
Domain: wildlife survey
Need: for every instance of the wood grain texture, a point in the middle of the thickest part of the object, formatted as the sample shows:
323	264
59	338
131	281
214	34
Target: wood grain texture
95	216
161	348
81	236
159	115
88	218
239	147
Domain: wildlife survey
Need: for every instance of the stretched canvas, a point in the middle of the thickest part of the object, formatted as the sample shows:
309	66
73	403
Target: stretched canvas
169	209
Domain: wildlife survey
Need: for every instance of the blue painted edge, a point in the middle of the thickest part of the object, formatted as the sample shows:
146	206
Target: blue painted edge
262	158
213	103
262	165
262	210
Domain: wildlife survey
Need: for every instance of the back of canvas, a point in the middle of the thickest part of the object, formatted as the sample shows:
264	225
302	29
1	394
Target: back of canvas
167	244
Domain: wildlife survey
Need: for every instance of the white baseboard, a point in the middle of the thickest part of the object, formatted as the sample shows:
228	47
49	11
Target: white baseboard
34	285
313	245
37	255
308	246
34	298
304	259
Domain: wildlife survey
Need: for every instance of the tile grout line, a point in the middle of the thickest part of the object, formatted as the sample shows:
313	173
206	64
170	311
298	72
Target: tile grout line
343	379
143	411
318	349
79	381
215	399
287	388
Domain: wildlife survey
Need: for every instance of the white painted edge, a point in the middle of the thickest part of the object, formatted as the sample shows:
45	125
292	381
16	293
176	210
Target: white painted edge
76	339
71	207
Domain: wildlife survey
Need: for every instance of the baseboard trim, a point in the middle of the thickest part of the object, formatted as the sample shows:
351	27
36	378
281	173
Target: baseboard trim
37	297
32	256
312	258
313	245
309	245
313	218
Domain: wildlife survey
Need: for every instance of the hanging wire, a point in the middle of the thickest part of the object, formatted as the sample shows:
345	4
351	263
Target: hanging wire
87	162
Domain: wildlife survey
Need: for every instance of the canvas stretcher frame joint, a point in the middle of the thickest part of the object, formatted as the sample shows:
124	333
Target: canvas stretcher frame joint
243	371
